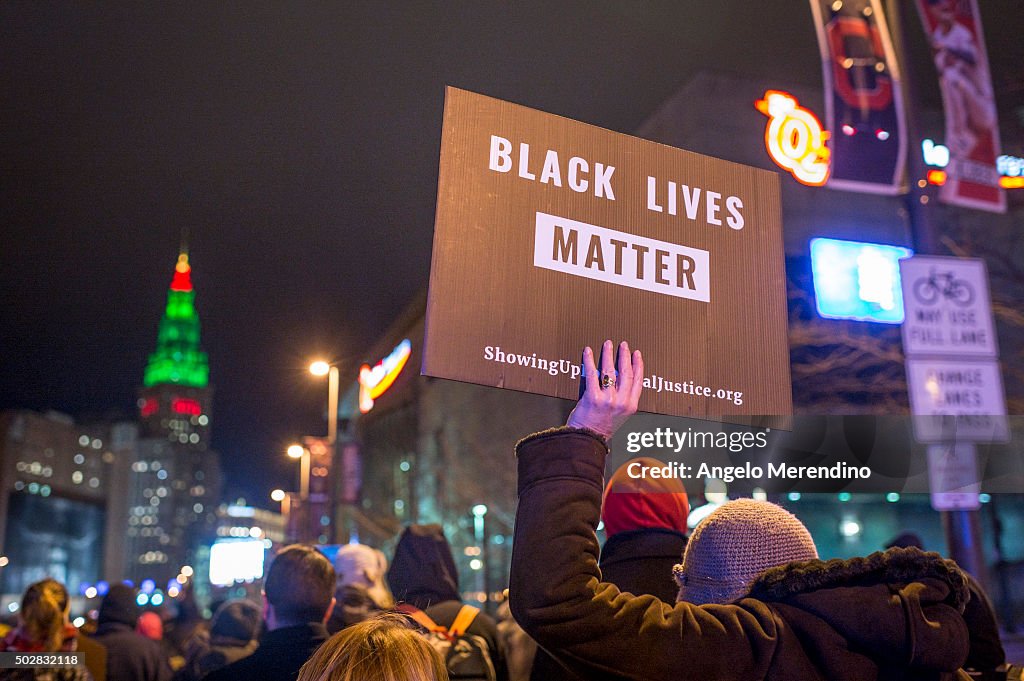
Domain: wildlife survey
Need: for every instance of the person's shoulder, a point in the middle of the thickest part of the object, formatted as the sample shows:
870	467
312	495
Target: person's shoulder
241	669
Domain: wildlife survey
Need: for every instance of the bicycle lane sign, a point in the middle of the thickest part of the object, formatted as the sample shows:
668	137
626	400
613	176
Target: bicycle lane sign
948	312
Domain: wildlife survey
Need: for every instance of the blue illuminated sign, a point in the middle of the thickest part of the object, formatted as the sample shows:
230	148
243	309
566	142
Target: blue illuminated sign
854	280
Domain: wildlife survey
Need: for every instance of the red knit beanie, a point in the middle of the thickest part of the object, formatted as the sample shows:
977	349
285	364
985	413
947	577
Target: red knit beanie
632	503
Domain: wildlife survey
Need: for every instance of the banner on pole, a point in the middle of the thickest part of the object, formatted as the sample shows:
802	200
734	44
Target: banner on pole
972	125
863	100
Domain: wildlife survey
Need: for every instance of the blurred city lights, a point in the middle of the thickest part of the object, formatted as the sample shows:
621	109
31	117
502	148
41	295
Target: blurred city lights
849	528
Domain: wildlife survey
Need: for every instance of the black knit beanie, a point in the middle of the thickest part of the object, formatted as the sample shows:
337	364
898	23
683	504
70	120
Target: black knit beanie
119	606
239	620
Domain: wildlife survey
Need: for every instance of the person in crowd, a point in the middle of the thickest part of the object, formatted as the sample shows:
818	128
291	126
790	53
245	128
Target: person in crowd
361	591
130	655
382	648
233	635
186	622
298	596
520	649
754	601
94	655
645	524
151	626
43	627
986	653
423	575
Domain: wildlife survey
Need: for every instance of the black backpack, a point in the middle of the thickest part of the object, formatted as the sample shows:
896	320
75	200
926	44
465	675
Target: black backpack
466	656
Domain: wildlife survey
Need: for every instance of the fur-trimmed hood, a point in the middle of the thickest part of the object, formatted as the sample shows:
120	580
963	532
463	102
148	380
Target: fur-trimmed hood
894	566
901	606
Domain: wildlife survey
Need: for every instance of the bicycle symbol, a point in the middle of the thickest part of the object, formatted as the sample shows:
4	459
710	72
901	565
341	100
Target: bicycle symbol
943	285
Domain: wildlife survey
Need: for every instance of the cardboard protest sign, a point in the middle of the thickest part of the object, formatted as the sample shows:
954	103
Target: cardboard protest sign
552	234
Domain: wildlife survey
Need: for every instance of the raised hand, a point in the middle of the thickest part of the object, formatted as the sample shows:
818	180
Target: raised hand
609	397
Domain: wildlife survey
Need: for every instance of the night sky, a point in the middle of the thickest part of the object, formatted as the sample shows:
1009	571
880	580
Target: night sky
298	145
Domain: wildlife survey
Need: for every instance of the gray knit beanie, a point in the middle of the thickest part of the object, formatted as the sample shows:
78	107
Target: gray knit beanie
736	543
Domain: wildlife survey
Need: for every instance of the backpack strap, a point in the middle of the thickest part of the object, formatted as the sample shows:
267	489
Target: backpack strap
422	618
462	621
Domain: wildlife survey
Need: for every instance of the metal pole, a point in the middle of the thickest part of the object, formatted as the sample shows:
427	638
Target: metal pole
962	528
304	475
332	405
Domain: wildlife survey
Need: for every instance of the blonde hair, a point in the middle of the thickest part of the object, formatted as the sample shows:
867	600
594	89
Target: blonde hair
44	609
382	648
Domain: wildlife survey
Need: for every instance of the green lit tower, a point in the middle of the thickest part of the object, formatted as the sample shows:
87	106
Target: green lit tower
178	358
175	398
175	479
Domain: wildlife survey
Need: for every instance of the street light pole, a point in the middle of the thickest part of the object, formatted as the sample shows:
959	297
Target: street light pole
302	453
321	368
332	405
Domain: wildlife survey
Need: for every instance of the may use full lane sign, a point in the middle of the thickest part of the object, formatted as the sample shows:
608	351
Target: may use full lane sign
552	234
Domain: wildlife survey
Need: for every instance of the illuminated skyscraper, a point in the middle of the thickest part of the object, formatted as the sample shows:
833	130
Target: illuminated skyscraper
176	477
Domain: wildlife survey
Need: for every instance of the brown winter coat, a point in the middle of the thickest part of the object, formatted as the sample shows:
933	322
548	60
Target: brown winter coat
893	615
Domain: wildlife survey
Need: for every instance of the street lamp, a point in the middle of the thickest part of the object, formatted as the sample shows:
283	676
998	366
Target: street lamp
322	368
300	452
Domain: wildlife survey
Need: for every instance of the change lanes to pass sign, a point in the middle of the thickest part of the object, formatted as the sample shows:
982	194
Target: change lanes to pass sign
947	307
553	234
957	400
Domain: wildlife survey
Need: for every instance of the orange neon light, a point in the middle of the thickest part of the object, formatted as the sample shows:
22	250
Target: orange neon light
937	177
794	138
375	382
1011	182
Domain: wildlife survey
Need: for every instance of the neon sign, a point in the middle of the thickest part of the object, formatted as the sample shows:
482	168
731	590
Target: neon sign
1010	168
854	280
375	382
794	138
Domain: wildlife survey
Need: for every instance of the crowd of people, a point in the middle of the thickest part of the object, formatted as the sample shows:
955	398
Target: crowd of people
744	596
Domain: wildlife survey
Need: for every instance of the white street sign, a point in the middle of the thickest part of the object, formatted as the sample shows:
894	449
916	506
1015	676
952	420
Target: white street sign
953	477
947	307
969	390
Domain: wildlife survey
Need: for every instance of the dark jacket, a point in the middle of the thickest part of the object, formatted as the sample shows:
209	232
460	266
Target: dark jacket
95	655
207	654
639	562
893	615
281	654
130	655
232	635
423	574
